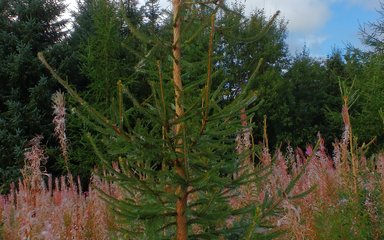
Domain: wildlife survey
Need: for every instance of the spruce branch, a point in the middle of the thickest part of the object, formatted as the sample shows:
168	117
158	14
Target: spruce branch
205	100
138	34
120	96
105	121
162	97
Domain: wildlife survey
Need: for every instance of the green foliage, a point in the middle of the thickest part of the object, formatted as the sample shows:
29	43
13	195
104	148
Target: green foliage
361	72
351	218
314	91
141	137
367	121
94	58
151	173
134	122
372	32
369	83
101	62
253	49
26	27
243	43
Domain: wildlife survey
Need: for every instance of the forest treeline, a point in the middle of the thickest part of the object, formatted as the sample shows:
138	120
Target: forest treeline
109	41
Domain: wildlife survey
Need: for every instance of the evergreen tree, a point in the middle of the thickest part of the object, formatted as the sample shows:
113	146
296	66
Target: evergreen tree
336	70
373	32
254	49
313	93
93	58
177	159
26	27
366	120
151	11
101	51
368	83
244	41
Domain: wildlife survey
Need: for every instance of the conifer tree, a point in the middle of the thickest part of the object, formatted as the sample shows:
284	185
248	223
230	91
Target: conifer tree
100	52
254	42
313	95
176	150
26	27
96	58
151	11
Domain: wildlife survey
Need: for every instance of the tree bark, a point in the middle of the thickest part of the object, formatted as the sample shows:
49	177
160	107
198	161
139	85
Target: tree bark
181	190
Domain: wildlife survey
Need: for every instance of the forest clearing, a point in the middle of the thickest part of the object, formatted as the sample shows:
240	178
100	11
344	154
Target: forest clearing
193	122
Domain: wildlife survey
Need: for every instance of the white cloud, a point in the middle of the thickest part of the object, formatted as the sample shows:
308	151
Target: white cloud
306	18
303	15
311	41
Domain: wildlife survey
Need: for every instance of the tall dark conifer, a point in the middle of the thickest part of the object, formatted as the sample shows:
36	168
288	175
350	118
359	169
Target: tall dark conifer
253	48
26	27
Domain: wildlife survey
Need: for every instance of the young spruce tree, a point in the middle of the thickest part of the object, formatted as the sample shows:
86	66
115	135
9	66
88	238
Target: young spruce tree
176	150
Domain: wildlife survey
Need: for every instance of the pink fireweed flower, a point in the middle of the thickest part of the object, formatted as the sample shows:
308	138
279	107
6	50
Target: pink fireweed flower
336	154
380	164
308	150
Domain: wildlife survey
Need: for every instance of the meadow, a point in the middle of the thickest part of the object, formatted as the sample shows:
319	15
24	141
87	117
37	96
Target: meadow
331	196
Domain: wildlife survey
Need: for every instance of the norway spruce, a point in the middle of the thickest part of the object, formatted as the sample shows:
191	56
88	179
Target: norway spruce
176	149
26	27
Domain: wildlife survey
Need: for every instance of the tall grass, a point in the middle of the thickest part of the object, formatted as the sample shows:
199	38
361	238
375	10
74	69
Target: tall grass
343	191
40	207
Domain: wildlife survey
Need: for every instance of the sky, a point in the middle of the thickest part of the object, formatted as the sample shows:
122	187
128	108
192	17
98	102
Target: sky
320	25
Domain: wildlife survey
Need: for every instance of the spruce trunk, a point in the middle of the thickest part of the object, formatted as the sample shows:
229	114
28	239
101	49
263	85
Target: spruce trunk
181	190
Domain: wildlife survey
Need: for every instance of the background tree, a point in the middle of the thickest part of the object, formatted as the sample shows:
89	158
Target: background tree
26	27
95	56
373	32
364	68
101	53
366	119
314	91
245	42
